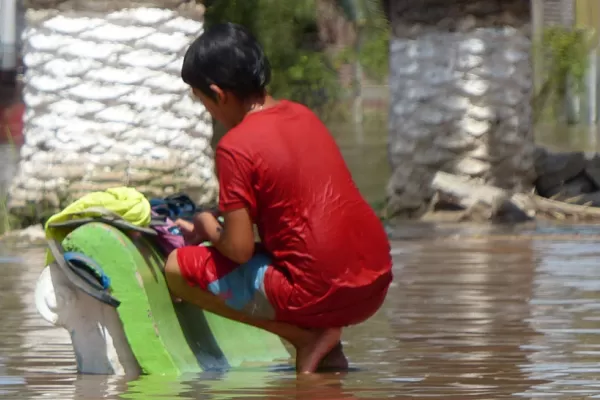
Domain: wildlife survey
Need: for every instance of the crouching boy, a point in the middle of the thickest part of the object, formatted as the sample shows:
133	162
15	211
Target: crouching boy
324	259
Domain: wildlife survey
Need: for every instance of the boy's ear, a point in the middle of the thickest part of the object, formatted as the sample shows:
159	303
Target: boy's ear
220	94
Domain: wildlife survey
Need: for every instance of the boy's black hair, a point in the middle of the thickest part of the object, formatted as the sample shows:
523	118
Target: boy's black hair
227	55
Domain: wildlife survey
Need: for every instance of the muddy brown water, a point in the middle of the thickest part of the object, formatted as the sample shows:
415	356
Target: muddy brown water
473	313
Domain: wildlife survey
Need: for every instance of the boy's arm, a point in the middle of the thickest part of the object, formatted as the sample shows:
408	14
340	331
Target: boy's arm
235	238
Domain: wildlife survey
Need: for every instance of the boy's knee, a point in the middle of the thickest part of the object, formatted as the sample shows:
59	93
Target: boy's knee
185	264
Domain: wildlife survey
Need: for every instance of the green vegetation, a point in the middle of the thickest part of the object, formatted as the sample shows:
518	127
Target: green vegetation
372	49
289	32
4	215
564	53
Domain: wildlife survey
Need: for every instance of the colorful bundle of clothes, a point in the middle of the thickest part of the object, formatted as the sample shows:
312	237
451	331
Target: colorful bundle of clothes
126	209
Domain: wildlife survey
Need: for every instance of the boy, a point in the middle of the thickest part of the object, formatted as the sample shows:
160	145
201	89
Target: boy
324	262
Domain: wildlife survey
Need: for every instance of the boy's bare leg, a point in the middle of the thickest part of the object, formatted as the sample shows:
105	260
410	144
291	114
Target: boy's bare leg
335	359
311	345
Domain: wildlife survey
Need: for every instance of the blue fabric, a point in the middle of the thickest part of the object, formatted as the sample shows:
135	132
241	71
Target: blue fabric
174	207
240	285
85	262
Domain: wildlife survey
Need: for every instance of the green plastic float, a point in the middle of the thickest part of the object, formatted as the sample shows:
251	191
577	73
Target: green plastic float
166	338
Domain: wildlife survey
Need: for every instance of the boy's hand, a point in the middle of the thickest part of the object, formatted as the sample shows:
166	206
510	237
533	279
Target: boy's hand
201	230
189	232
206	225
184	226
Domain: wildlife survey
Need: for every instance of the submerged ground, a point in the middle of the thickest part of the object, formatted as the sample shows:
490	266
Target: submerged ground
472	314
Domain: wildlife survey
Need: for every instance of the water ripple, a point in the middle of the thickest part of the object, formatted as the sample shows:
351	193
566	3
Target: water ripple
467	319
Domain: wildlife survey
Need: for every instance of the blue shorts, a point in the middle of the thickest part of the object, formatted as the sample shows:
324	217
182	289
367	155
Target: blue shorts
242	287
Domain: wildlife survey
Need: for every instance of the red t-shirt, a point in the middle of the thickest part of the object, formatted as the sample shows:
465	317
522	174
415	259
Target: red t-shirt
283	165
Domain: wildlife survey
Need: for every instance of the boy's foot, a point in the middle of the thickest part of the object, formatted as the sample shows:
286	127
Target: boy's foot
335	359
310	354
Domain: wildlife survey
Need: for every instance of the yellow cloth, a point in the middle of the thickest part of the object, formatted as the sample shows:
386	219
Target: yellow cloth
125	202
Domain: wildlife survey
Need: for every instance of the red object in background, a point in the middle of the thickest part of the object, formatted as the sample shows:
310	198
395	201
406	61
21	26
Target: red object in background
11	124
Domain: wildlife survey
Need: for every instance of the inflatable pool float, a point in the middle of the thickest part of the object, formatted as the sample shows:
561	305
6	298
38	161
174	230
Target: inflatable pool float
106	286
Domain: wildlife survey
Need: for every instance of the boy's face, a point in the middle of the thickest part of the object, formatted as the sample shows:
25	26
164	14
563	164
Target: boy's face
223	109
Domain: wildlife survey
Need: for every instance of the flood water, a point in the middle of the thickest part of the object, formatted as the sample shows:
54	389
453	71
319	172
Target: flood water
472	313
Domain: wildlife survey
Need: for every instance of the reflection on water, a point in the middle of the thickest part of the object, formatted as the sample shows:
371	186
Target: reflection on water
564	138
365	152
475	319
463	309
